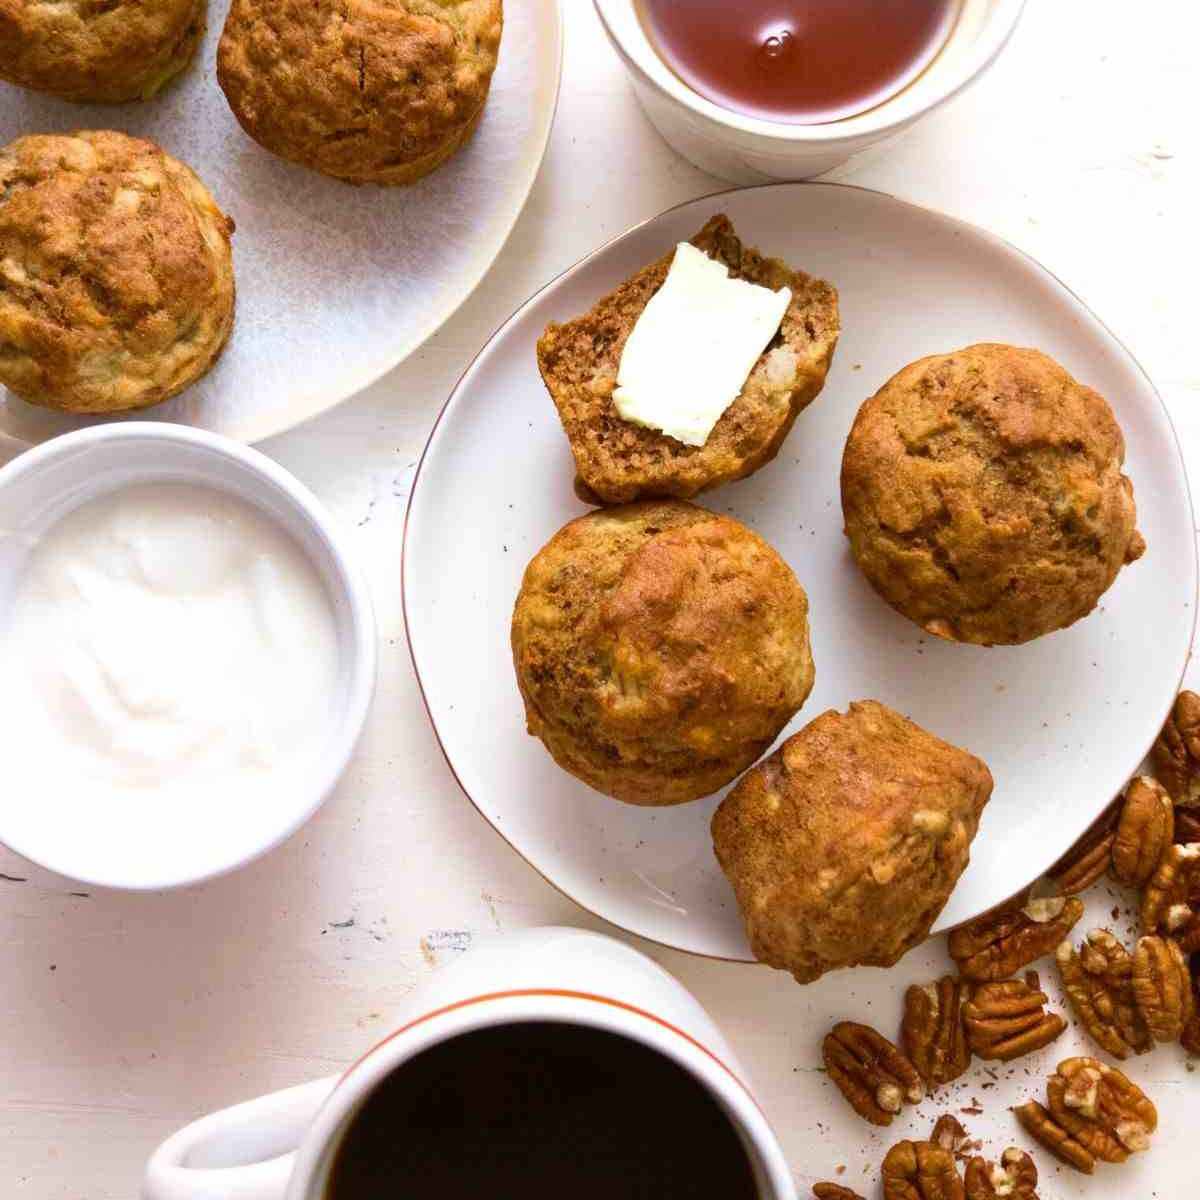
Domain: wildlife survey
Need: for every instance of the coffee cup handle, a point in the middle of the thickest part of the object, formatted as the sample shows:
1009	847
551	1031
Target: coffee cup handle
241	1153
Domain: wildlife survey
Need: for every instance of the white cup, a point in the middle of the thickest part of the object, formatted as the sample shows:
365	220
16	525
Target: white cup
747	149
284	1145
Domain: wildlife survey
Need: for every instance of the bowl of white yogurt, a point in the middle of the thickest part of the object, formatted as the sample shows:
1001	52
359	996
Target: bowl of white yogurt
187	655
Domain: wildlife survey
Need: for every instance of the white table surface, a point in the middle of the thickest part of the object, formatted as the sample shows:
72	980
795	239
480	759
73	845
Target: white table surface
124	1016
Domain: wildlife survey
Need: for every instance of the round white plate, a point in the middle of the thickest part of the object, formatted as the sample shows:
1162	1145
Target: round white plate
336	284
1062	722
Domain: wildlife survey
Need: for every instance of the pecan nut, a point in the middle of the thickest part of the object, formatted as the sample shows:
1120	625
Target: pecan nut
1009	1019
1098	980
834	1191
1145	830
1089	859
1002	943
1101	1109
1187	825
932	1032
1176	753
874	1076
1162	988
948	1132
1014	1176
1190	1037
921	1171
1042	1127
1171	900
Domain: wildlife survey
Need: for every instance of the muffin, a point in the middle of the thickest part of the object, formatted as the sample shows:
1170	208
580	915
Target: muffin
109	52
368	91
616	460
659	649
116	278
845	844
983	495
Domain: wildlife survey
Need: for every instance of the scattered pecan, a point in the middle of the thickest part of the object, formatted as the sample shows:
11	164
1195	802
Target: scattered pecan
1089	858
1041	1126
1187	825
873	1075
1171	900
1162	987
1009	1019
921	1171
1014	1175
1176	753
1144	832
1098	980
932	1032
834	1191
949	1134
1000	944
1102	1110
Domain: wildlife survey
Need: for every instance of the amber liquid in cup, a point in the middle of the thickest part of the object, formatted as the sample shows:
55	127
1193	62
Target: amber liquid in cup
541	1111
802	62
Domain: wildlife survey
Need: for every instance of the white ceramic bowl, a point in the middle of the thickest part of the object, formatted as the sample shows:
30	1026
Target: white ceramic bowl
40	487
750	150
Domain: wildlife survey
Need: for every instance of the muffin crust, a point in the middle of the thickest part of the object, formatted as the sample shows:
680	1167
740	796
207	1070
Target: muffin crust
618	461
659	649
368	91
116	277
983	495
844	846
109	52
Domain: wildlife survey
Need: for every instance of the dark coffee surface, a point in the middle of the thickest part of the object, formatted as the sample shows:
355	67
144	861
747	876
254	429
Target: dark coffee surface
540	1110
801	61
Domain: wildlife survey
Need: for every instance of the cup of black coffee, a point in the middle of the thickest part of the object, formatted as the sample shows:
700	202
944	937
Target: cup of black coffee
548	1063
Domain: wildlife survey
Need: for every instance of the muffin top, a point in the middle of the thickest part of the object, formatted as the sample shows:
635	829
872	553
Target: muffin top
117	279
112	51
618	461
364	90
983	495
660	649
846	843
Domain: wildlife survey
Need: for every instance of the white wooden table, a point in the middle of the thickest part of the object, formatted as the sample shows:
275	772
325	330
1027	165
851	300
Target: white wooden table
125	1016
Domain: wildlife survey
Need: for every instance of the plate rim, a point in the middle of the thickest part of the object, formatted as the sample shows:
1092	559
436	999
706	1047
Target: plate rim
252	432
577	266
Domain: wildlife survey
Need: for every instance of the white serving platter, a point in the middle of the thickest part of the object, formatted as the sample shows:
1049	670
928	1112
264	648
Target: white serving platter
1062	721
336	284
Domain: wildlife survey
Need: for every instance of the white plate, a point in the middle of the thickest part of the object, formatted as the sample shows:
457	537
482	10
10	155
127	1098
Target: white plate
1062	722
336	284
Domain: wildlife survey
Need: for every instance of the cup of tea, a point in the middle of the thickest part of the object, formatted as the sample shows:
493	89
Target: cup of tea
550	1062
766	90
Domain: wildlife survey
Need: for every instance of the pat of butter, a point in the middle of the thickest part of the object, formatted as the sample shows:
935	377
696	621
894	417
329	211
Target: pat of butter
690	352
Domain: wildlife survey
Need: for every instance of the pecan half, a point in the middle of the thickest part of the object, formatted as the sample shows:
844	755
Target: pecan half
1144	832
932	1032
1014	1175
1102	1110
1089	858
921	1171
1171	900
1162	987
1042	1127
1098	980
1000	944
834	1191
873	1075
948	1132
1176	753
1009	1019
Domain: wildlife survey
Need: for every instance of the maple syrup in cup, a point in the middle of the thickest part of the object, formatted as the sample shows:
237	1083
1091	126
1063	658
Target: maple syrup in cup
802	62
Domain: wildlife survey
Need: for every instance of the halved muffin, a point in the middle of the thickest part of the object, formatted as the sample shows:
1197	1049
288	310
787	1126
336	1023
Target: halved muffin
618	461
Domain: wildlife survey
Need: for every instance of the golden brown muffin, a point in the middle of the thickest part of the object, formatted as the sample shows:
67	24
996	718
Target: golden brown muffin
369	91
617	460
110	51
659	649
116	278
983	496
845	844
